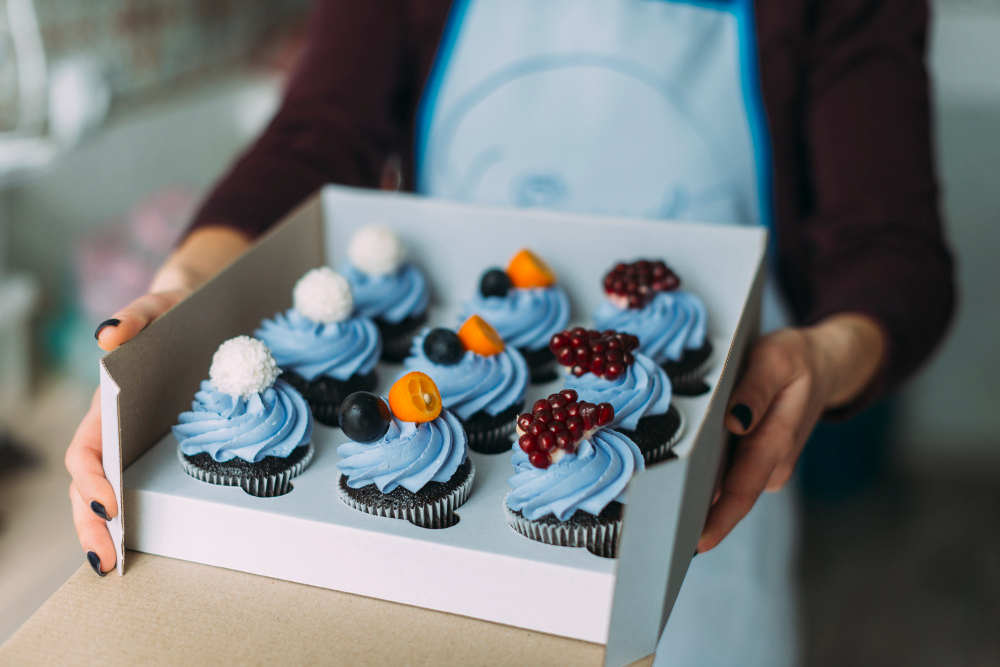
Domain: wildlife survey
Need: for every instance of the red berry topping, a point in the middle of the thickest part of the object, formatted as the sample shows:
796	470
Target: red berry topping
556	425
634	285
604	353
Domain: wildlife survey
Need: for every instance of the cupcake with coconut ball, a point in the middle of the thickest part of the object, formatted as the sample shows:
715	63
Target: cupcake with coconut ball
526	306
325	350
570	474
387	288
246	427
604	367
482	380
407	457
644	299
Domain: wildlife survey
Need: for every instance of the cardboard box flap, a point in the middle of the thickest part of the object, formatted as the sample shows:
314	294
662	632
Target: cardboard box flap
149	380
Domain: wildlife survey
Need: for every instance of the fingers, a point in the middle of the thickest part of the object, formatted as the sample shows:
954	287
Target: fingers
762	458
85	465
774	363
133	318
93	533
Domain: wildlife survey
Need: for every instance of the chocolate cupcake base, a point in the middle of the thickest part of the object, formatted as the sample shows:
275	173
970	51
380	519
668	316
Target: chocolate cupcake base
541	364
267	478
686	373
397	337
325	394
597	534
431	507
488	434
656	435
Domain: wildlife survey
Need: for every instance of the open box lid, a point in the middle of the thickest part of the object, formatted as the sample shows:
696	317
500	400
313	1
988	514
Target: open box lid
149	380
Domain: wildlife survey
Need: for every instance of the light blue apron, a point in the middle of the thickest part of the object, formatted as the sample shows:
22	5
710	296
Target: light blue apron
647	108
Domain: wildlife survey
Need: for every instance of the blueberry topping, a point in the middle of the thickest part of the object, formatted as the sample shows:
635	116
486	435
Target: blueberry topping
495	282
364	417
443	347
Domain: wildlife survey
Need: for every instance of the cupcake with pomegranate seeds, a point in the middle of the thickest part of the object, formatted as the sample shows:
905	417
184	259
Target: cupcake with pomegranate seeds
324	350
671	324
246	427
407	457
570	475
482	381
387	289
526	306
604	367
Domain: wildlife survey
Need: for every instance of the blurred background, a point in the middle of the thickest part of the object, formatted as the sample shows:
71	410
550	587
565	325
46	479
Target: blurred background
116	115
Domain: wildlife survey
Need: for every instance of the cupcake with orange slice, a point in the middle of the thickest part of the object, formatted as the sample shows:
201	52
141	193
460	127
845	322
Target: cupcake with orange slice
527	306
482	380
407	458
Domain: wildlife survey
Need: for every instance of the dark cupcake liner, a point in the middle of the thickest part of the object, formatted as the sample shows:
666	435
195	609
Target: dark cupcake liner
598	535
686	373
325	394
488	434
431	507
397	337
267	478
541	364
656	435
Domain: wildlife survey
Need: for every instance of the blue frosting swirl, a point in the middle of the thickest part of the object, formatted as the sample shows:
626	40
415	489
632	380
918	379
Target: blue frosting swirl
408	455
588	480
524	318
667	326
643	390
270	423
392	297
339	349
476	382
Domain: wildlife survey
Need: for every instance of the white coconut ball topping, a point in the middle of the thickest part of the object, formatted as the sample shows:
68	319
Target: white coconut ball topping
242	367
376	250
323	295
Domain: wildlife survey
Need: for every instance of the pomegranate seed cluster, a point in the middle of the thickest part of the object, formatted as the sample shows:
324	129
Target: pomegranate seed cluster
557	424
634	285
606	354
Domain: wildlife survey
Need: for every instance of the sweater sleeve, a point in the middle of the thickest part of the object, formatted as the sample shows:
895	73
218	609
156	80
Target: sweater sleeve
338	123
875	243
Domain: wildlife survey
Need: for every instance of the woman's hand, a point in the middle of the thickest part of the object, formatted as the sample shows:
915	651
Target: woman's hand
202	255
793	377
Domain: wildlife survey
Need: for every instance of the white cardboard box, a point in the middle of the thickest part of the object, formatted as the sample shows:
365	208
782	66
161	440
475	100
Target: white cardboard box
480	567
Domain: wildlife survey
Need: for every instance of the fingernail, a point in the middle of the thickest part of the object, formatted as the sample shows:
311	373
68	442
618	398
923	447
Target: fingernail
95	562
742	412
695	554
106	323
99	510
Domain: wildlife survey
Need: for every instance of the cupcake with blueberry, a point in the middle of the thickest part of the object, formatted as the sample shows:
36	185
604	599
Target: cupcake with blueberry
526	306
604	367
407	457
570	474
387	288
325	350
482	381
643	299
246	427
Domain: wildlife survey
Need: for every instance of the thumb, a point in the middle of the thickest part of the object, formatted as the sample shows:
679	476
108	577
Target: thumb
772	366
133	318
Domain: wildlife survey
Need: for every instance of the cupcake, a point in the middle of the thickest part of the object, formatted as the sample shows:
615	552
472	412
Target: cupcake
604	368
246	428
406	459
324	350
644	300
387	289
570	475
481	380
526	306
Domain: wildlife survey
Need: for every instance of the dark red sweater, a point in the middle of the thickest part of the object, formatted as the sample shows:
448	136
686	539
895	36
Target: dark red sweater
846	92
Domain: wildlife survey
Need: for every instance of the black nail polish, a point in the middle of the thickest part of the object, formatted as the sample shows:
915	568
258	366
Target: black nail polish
95	562
99	510
695	554
106	323
742	412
